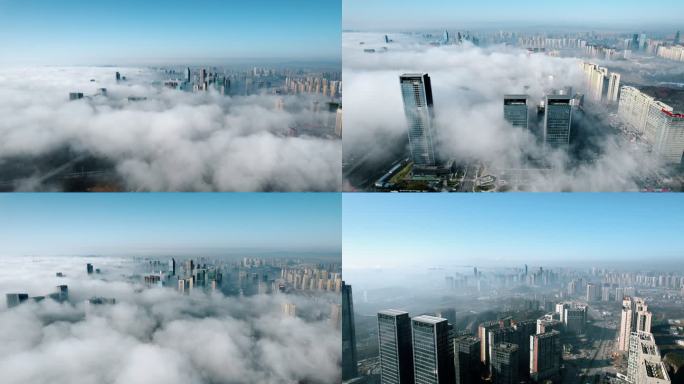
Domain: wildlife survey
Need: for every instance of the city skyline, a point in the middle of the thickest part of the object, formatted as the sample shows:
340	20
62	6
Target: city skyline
508	230
170	223
77	32
411	15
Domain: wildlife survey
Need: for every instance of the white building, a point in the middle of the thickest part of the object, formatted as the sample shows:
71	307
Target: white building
657	121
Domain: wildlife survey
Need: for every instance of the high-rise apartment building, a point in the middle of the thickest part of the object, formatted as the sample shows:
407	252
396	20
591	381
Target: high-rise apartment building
651	112
634	317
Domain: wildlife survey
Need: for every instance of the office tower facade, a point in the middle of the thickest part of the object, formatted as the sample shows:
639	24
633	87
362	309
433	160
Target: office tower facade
14	299
172	267
661	126
545	355
349	356
467	359
525	329
644	364
416	91
505	363
433	354
188	75
504	334
516	110
62	293
557	120
396	349
634	317
575	319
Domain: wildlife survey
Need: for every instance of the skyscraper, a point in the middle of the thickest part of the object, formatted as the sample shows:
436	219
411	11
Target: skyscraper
466	359
349	357
557	120
433	354
525	329
505	363
575	318
14	299
89	268
188	75
503	334
396	350
172	267
545	355
515	110
416	91
677	38
634	317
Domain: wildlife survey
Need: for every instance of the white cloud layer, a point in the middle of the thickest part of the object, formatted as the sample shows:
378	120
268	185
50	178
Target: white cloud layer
157	335
468	86
173	141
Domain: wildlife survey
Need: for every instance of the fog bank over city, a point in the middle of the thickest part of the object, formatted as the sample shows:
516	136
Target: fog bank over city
157	334
468	84
156	139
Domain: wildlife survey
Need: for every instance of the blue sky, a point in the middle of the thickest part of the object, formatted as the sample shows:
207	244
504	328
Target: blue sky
404	230
125	223
409	14
129	31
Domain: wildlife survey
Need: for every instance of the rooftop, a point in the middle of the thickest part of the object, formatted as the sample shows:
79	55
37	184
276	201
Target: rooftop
429	319
671	96
392	312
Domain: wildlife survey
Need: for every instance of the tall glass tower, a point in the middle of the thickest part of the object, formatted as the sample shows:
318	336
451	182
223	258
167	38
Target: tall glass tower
396	351
557	120
349	357
433	354
416	91
515	110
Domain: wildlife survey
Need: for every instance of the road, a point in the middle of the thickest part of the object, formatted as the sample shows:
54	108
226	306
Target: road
469	177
